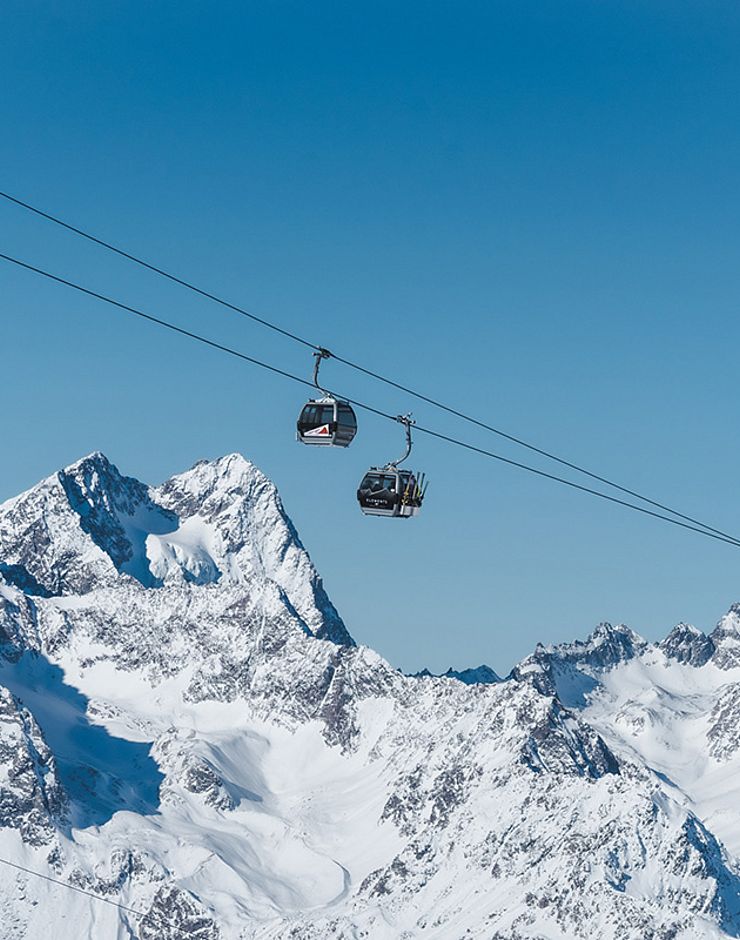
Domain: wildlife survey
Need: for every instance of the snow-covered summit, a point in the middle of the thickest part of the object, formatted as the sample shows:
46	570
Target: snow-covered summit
220	523
726	639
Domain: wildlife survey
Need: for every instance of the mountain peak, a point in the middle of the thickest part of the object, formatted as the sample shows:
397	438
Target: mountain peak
97	478
730	623
605	631
228	467
686	644
95	459
726	639
218	485
605	646
117	513
221	522
475	675
478	675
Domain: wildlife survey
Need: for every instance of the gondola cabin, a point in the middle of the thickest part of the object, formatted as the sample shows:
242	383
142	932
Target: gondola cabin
328	421
388	491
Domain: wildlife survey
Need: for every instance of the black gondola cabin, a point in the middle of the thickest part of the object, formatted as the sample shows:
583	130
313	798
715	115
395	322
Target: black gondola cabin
388	491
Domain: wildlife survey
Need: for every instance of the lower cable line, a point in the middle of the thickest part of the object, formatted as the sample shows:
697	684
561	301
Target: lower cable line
91	894
152	267
699	527
579	486
532	447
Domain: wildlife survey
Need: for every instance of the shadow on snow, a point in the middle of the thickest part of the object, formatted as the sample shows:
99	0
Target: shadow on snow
101	774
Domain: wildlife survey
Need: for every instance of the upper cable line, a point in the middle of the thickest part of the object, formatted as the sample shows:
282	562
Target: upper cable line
707	531
236	308
153	267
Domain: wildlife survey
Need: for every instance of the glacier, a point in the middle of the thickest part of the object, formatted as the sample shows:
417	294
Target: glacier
189	731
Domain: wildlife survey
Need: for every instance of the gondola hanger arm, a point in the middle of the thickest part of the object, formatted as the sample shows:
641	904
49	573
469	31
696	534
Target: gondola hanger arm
321	353
407	421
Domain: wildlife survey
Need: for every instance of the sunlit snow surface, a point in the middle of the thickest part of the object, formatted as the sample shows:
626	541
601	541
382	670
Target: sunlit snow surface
186	728
662	712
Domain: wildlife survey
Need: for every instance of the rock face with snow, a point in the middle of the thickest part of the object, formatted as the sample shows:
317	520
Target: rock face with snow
686	644
32	800
187	729
220	523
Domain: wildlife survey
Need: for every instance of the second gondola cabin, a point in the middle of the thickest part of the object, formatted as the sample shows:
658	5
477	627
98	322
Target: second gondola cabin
388	491
327	421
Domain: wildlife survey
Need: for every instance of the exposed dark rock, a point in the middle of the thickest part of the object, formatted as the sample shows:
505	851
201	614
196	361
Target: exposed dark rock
688	645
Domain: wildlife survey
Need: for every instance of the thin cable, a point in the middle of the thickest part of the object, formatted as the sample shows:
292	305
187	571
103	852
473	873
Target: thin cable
156	270
577	486
720	537
523	443
91	894
353	365
153	319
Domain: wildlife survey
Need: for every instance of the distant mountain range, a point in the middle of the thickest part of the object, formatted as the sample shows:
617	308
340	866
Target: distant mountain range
188	731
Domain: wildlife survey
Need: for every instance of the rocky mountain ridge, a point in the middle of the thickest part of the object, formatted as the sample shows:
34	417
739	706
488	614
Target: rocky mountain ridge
188	729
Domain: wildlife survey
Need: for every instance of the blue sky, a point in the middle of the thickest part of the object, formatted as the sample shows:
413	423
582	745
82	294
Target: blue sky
527	209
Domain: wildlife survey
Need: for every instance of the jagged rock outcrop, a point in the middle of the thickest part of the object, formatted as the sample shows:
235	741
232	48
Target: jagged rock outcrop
688	645
174	914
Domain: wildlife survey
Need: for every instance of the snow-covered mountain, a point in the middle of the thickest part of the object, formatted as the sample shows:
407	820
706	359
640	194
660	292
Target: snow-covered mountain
188	730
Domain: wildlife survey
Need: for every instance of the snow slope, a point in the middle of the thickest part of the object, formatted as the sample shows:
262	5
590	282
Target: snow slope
187	728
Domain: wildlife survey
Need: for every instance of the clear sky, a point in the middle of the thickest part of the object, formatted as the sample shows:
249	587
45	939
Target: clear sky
529	209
